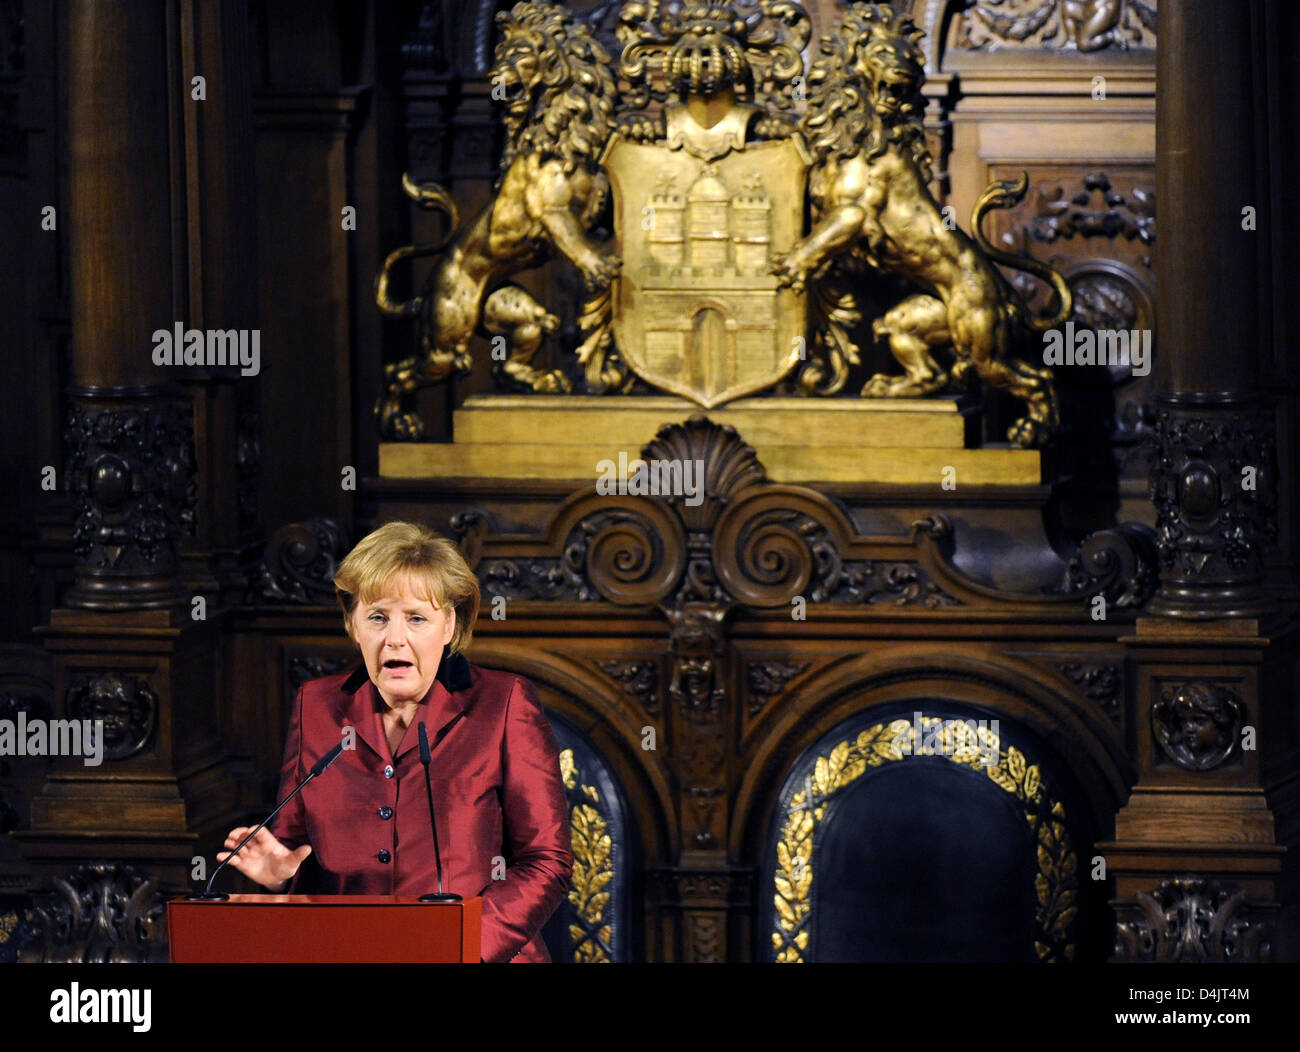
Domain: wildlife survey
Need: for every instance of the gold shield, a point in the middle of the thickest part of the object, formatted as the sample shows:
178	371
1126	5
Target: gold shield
695	310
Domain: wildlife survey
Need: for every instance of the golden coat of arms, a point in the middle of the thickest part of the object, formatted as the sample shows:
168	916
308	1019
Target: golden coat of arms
710	141
698	311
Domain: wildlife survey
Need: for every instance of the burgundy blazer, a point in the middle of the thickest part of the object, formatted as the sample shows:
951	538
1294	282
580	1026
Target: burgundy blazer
496	790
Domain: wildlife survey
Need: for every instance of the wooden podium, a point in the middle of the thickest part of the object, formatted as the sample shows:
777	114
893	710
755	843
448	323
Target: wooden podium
328	929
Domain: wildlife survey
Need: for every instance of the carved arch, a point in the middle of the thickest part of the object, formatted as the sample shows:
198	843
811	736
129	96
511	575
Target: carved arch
1081	737
581	698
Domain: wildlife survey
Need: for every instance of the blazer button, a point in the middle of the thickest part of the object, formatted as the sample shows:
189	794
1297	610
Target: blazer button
385	812
388	771
385	857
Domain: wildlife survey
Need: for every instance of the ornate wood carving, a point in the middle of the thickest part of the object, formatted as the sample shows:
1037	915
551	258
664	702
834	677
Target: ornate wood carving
1191	920
127	705
1214	488
705	896
1056	25
131	469
767	679
1119	564
698	648
1109	294
299	563
1089	223
1097	226
698	693
1198	725
704	938
1104	684
639	680
755	549
730	465
1097	210
100	913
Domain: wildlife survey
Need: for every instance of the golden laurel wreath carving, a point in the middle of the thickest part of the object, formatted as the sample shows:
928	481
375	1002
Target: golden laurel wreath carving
593	871
1056	884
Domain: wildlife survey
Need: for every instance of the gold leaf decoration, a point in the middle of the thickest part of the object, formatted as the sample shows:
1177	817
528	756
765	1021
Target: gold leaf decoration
835	765
821	775
999	775
593	870
1055	884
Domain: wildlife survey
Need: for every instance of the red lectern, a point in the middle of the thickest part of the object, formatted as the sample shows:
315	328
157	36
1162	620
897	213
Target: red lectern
332	929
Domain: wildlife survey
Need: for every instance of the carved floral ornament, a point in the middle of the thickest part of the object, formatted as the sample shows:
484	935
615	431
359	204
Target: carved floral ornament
132	471
1215	490
1193	920
760	545
100	913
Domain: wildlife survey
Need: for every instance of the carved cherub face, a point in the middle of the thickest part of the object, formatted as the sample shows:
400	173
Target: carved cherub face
1197	725
115	710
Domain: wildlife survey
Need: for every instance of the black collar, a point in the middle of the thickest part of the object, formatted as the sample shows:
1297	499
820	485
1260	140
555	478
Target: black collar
453	673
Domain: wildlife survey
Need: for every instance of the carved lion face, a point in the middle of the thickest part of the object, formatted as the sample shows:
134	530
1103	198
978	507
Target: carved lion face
539	43
518	68
890	70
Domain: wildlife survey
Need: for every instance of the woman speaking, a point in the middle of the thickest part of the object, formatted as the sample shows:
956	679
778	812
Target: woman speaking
409	602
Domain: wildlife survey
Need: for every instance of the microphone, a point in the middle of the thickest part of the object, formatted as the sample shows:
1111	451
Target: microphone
317	769
426	757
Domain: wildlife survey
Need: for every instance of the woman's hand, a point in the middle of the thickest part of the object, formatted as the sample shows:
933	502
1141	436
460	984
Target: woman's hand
264	859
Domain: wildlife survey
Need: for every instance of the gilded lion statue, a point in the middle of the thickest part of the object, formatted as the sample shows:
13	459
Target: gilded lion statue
869	186
559	95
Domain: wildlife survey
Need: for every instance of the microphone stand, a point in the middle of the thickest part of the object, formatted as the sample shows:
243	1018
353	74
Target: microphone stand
426	757
318	768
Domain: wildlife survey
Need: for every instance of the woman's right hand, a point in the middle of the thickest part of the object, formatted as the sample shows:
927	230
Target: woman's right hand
264	859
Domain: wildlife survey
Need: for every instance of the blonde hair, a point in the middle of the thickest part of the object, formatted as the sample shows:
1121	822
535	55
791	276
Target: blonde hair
435	567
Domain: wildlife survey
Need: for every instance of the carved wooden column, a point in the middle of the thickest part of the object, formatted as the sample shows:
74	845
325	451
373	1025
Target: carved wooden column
1197	855
129	647
130	436
1215	480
